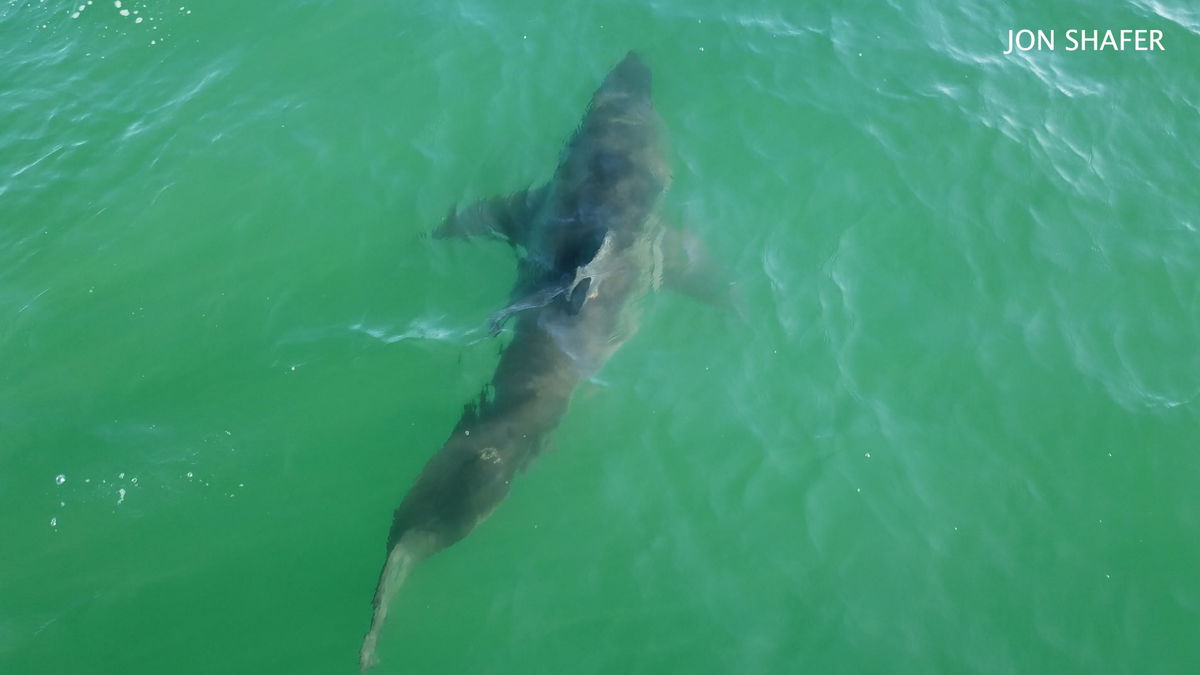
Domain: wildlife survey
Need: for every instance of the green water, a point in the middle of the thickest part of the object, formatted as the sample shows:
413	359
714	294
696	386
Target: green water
956	433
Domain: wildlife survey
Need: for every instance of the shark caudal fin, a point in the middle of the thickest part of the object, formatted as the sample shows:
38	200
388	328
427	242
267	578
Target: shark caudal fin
400	562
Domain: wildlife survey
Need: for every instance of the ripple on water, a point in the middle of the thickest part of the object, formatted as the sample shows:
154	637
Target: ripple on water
1183	15
420	328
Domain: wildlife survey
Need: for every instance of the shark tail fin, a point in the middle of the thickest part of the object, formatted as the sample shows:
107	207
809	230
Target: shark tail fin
399	563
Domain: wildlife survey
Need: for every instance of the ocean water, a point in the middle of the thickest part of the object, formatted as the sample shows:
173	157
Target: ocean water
956	431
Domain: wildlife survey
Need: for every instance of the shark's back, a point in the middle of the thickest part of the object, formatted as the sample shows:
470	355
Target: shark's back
600	224
612	172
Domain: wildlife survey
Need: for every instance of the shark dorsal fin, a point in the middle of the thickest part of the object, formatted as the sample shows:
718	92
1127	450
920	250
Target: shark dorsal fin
537	298
578	295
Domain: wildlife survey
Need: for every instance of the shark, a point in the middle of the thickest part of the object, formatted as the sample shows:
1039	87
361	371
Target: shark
590	244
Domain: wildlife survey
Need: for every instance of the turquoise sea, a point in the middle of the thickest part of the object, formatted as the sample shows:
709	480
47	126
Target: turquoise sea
957	429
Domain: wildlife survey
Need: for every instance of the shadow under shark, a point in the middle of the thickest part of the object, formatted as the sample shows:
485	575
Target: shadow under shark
590	244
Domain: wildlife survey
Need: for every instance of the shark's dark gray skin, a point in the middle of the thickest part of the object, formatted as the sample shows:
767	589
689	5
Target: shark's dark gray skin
590	244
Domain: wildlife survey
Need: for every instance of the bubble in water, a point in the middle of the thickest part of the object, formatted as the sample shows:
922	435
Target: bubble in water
54	522
121	495
60	479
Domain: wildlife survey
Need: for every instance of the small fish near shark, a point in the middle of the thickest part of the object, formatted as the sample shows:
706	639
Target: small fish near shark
590	244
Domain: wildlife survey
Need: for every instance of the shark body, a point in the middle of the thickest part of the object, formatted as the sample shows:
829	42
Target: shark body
590	244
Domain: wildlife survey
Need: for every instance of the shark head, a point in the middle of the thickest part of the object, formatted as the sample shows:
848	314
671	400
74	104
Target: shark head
630	78
625	93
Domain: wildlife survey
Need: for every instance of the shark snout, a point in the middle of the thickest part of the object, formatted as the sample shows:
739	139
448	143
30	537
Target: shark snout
631	76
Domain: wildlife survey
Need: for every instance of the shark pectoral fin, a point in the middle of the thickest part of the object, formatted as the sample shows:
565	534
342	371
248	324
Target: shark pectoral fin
578	296
688	267
505	217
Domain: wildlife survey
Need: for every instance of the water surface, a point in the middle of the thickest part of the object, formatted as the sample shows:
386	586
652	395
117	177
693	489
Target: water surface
957	431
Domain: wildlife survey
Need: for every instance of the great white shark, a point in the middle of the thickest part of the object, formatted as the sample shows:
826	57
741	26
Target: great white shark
590	245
